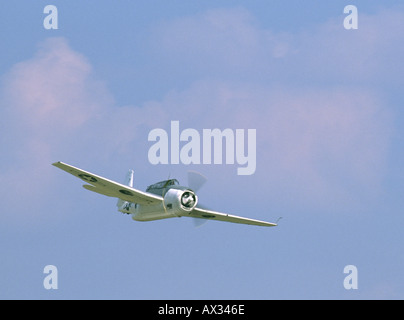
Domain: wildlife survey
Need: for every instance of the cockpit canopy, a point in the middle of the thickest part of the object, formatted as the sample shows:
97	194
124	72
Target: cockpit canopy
163	184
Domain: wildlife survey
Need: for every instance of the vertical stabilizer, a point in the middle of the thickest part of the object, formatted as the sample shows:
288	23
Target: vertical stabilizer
129	178
126	206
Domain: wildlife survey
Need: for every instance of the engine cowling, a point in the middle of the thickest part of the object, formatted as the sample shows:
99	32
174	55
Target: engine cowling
180	202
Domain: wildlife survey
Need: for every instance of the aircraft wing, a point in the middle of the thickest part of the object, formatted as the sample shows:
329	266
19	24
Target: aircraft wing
213	215
110	188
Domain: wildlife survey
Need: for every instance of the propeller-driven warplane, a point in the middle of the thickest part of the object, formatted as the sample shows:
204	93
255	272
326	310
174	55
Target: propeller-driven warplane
161	200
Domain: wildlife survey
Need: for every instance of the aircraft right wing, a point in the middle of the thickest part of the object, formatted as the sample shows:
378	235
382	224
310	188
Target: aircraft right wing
213	215
110	188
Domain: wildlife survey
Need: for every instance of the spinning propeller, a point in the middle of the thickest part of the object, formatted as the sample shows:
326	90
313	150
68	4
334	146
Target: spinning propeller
195	182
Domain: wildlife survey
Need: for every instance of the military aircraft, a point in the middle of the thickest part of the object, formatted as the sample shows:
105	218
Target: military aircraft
164	199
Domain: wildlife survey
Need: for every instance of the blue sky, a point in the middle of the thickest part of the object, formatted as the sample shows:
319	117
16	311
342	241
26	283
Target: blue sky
327	106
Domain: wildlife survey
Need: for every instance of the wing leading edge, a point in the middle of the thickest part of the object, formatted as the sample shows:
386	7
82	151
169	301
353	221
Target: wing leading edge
213	215
110	188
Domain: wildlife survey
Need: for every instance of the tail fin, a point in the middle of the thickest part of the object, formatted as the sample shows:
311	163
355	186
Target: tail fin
129	179
126	206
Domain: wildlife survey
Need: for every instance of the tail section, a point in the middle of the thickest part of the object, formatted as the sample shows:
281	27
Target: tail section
126	206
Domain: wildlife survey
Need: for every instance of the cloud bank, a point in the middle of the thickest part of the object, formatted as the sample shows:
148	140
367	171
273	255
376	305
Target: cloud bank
45	103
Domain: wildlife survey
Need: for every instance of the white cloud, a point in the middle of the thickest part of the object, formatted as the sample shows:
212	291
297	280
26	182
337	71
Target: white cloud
369	55
318	145
230	43
54	108
54	89
220	42
45	102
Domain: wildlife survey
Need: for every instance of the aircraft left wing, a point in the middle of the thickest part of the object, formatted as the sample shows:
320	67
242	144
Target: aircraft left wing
213	215
110	188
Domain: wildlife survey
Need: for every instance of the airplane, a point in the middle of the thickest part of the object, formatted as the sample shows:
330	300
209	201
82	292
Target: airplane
161	200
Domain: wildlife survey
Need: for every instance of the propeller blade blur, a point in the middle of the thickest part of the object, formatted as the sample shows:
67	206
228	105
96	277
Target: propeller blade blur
195	180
